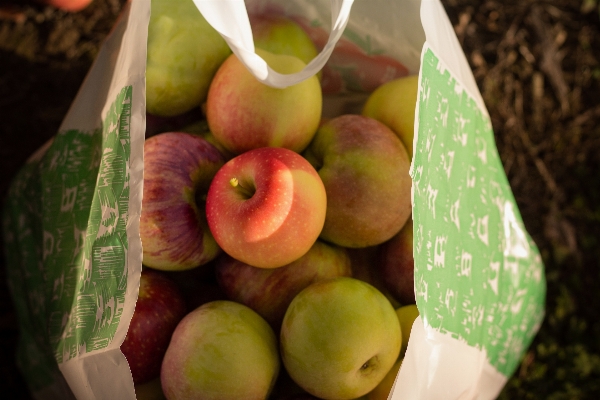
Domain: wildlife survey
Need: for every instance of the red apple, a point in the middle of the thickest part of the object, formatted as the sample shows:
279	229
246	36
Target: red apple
68	5
270	291
266	207
159	308
364	167
178	169
244	114
397	265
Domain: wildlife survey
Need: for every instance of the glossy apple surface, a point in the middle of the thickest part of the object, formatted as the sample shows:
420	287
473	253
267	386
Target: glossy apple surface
397	265
178	169
184	52
159	308
364	168
221	351
394	103
339	338
266	207
270	291
245	114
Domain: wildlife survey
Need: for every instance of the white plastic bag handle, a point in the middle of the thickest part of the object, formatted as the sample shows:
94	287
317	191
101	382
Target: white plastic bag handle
230	19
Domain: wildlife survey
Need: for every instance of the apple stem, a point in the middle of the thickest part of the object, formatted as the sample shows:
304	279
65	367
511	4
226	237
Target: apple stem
244	191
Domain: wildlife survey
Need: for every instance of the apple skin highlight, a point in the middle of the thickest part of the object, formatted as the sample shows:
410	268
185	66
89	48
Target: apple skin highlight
276	212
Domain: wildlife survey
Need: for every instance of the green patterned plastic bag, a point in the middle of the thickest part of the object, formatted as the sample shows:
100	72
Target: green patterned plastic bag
72	216
70	223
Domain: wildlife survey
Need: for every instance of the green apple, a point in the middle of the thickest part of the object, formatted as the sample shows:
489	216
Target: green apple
184	52
394	103
406	316
339	338
364	167
280	34
221	351
245	114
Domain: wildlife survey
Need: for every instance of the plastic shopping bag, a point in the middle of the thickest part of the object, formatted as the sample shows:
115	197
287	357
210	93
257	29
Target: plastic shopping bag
72	215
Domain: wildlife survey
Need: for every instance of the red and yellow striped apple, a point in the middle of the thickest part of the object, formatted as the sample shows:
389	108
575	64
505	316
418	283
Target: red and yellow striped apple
178	169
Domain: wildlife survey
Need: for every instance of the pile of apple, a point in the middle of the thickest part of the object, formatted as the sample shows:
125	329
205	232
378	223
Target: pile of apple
277	244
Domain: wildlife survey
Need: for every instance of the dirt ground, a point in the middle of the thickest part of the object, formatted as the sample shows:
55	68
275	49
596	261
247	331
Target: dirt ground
537	64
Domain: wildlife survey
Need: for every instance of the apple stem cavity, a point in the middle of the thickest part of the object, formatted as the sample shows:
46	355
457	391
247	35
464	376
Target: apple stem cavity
244	191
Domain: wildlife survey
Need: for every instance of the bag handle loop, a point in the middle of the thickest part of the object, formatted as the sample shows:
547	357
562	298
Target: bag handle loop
230	19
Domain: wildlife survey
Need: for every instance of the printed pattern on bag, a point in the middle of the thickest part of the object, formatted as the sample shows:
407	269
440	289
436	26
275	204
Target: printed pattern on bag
478	275
72	266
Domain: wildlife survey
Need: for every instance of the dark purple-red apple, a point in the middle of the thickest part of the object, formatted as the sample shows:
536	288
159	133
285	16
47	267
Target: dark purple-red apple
178	169
159	308
266	207
270	291
397	265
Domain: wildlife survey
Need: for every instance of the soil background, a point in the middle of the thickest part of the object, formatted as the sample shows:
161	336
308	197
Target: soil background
537	64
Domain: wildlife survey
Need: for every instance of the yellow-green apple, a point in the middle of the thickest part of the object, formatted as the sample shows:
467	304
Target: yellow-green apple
394	103
244	114
269	291
406	316
280	34
383	390
266	207
178	169
339	338
184	52
159	308
222	350
364	168
396	265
